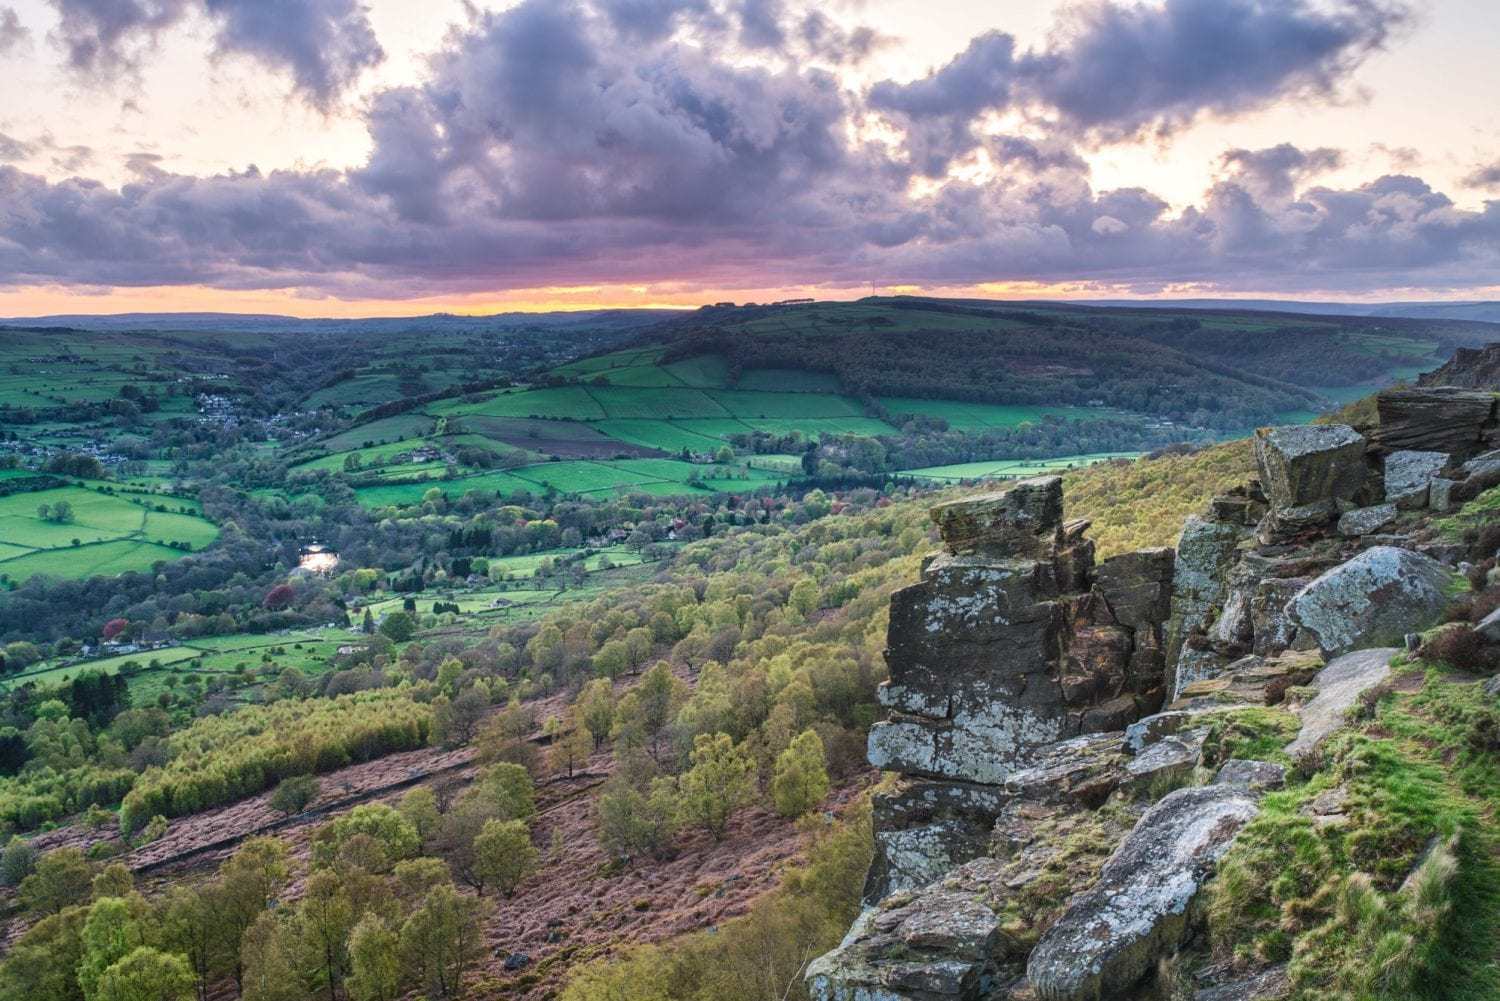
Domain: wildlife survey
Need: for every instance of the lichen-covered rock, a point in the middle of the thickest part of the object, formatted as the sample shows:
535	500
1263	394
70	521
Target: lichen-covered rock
1253	774
1138	585
1440	495
1310	464
1168	762
941	942
1023	520
984	744
925	828
1270	625
1339	685
1374	599
1149	729
1206	551
1113	933
1369	520
1408	474
1082	771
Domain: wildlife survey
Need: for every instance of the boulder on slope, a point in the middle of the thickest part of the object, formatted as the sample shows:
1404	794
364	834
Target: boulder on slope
1023	520
1374	599
1310	465
1112	934
1408	475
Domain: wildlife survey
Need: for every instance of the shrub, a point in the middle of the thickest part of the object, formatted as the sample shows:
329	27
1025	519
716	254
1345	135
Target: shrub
1462	649
294	793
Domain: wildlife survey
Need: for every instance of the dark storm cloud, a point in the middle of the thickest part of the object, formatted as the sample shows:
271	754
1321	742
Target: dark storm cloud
13	34
542	150
323	44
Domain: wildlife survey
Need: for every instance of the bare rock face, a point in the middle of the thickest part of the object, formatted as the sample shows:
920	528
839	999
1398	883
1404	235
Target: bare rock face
1310	466
1408	475
1111	934
1435	419
1339	684
1369	520
1024	520
1489	626
1253	774
1206	552
1374	599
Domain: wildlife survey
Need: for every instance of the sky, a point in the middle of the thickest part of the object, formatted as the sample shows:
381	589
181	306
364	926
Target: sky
401	157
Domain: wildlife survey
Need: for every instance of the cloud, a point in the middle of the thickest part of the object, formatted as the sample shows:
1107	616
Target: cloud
1484	176
1113	71
323	44
1122	69
1276	171
13	34
13	149
540	150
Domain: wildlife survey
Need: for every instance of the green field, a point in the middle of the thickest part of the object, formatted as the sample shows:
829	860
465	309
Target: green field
1012	468
108	533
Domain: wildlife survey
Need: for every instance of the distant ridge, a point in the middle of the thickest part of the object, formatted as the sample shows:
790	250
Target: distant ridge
1483	312
274	323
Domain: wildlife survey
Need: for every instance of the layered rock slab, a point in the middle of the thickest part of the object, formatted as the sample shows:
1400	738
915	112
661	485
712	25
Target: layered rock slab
1110	935
1339	685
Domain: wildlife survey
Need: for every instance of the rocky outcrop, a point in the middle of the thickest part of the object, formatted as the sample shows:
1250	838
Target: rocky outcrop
1026	690
1112	933
1461	423
1339	685
1011	642
1374	599
1469	368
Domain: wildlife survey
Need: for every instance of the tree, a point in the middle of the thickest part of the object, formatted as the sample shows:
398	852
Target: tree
504	855
632	823
442	939
612	660
720	780
399	626
294	793
368	625
392	834
62	877
267	956
374	961
193	924
659	695
42	965
570	743
254	876
146	975
324	920
419	807
279	597
596	707
801	779
506	792
456	720
110	932
507	738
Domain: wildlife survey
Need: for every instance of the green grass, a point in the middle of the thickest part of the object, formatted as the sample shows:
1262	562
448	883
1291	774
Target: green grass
108	534
386	429
102	559
1010	468
1401	902
412	493
558	403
